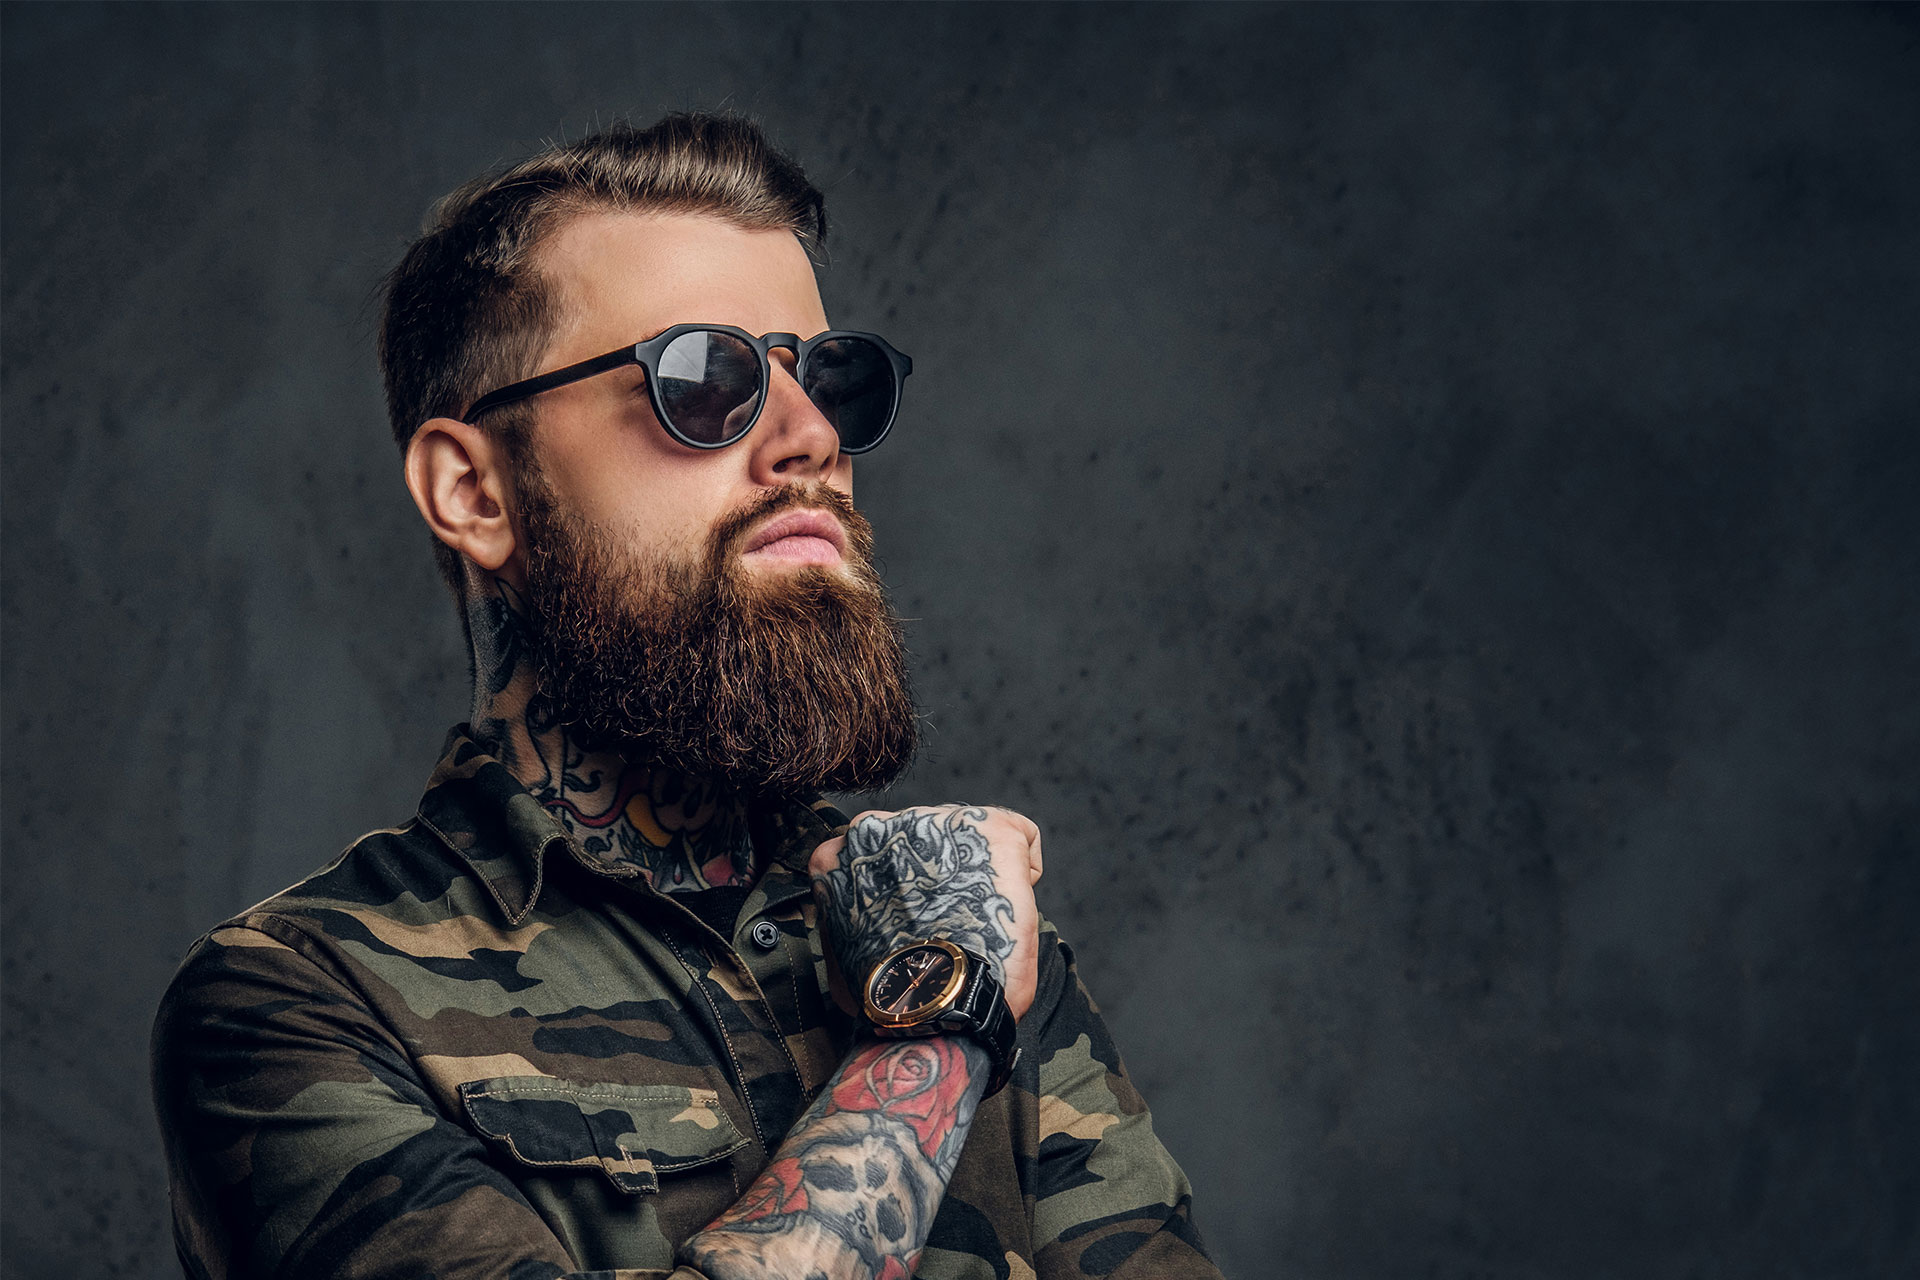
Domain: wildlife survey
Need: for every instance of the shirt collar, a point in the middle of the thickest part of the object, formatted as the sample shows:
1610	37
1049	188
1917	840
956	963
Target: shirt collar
480	811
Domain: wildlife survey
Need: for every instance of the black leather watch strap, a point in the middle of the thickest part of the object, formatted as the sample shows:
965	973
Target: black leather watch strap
991	1023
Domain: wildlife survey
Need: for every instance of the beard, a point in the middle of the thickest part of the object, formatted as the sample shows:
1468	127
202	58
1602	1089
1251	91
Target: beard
791	681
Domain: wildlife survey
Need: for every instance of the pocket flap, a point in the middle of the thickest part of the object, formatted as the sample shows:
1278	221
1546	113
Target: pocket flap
629	1132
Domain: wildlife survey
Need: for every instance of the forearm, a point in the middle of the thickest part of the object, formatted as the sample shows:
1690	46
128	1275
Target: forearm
852	1191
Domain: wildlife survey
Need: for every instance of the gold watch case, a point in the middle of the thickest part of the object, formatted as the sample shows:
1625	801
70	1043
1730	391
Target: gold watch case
914	1007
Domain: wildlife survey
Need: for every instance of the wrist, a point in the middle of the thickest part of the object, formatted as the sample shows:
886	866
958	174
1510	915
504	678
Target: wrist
935	987
979	1061
870	1046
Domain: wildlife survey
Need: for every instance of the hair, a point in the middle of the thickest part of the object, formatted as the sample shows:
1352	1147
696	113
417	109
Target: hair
467	309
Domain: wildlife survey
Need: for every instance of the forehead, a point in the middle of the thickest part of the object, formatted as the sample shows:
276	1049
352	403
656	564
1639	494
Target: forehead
621	277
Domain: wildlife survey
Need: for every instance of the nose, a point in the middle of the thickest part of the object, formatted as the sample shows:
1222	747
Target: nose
792	441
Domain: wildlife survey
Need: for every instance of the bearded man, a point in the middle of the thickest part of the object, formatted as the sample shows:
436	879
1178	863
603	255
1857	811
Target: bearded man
625	997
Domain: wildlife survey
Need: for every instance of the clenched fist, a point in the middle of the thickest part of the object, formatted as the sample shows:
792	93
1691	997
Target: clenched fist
960	872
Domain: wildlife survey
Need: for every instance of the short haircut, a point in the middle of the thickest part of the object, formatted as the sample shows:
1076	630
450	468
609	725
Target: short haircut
467	312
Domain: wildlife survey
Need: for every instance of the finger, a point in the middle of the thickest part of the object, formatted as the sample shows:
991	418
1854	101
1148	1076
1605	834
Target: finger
1030	832
1027	826
827	856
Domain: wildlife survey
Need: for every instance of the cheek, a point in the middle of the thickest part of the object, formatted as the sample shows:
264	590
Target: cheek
641	485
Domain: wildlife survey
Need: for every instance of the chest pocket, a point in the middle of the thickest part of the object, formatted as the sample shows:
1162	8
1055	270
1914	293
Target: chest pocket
630	1133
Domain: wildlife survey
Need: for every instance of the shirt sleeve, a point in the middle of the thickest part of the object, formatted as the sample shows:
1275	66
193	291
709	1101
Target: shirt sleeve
1110	1200
301	1142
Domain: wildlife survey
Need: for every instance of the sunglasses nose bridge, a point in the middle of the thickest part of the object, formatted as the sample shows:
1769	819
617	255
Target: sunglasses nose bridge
772	342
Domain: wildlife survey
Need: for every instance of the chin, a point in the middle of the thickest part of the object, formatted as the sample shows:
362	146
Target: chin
774	580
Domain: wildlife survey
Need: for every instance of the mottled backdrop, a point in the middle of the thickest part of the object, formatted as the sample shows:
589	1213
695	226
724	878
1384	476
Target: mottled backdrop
1419	503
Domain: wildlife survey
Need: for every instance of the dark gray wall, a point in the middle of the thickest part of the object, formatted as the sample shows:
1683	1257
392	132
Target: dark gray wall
1418	503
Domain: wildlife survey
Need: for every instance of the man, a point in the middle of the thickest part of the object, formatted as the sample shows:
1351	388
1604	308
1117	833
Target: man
624	996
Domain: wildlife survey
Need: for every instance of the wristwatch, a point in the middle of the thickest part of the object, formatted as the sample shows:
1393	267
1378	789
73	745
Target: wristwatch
934	988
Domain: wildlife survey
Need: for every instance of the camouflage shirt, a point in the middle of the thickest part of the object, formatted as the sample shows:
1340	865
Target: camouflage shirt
469	1048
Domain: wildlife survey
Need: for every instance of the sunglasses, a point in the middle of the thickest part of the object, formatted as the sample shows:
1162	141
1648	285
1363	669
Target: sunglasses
708	382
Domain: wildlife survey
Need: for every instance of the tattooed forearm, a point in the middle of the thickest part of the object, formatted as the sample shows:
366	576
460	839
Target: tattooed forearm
853	1190
915	875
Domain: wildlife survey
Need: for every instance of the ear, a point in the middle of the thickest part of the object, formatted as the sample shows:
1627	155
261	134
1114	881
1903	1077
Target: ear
457	474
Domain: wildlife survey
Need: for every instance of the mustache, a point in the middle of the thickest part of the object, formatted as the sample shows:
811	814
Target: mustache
731	531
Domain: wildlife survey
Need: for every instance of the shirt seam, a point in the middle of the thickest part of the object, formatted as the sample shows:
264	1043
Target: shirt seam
720	1025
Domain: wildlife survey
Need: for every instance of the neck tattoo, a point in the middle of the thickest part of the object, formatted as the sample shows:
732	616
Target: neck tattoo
684	832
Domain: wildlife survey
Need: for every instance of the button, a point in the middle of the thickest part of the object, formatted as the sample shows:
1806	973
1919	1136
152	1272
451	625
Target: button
765	935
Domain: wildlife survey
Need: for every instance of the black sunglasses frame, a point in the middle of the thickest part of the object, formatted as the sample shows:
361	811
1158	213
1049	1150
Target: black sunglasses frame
647	355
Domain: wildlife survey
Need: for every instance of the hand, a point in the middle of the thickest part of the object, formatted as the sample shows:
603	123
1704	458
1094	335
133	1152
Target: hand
960	872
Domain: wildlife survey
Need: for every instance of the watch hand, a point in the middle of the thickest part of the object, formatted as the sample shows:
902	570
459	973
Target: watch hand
901	1002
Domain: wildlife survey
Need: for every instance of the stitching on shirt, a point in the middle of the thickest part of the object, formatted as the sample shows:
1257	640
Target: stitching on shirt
515	918
581	1162
648	1183
671	1165
704	1097
733	1058
778	1036
294	933
793	976
799	1015
514	915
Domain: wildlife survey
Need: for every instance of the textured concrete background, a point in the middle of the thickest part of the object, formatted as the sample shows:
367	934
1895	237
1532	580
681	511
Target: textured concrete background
1420	504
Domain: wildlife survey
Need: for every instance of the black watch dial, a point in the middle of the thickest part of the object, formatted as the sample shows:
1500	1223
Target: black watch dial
915	983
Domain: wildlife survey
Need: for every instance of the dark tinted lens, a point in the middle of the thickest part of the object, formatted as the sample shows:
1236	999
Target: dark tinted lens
850	380
709	384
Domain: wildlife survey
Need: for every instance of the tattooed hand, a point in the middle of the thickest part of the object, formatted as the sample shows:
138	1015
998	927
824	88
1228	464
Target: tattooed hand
960	872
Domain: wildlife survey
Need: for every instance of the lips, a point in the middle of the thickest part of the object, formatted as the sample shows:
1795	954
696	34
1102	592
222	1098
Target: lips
811	536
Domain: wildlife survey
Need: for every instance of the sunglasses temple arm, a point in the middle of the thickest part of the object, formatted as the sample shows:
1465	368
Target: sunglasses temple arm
548	381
